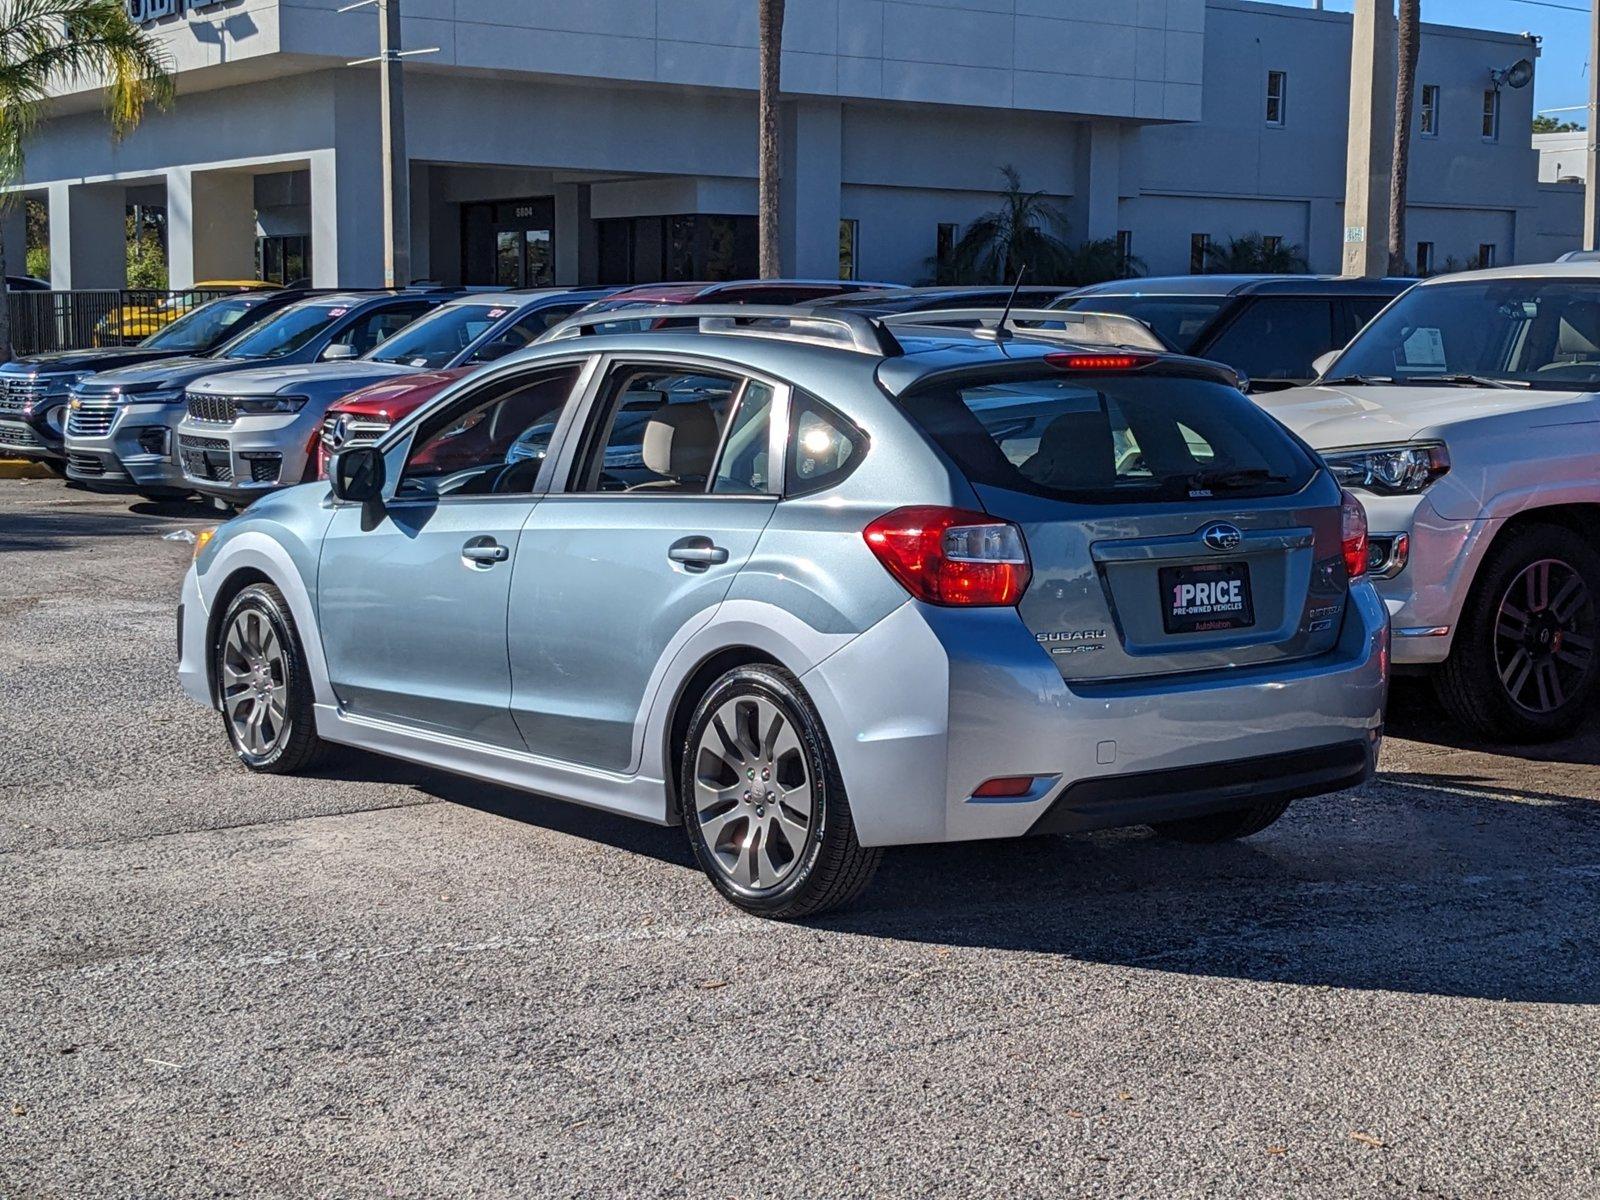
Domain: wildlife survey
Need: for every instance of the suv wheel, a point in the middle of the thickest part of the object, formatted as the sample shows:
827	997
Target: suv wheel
1523	666
263	685
763	803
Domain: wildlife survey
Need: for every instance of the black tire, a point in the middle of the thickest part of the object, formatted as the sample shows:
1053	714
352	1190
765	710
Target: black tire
1469	684
295	746
831	868
1223	826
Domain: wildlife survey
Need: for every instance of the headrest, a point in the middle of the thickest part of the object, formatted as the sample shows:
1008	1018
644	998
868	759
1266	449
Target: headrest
1580	328
680	440
1076	450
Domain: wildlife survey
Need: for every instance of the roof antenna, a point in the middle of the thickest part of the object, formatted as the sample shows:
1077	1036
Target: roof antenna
1001	333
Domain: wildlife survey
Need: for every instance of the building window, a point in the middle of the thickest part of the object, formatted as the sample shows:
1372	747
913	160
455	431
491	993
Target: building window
1424	263
283	259
1485	255
849	235
1491	115
1199	243
1428	122
1271	242
1124	250
1277	96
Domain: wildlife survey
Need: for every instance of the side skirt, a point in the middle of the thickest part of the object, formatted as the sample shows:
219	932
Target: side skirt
630	795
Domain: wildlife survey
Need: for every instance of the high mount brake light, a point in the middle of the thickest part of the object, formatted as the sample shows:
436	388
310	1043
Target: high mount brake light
1099	362
951	556
1353	535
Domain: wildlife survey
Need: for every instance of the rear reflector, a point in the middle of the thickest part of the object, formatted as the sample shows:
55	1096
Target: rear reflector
1099	362
952	557
1005	786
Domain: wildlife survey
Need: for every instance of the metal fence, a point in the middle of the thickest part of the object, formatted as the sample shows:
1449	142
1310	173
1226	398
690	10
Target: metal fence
109	317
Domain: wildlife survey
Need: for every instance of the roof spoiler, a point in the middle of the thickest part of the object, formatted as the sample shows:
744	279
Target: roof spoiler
1075	326
839	329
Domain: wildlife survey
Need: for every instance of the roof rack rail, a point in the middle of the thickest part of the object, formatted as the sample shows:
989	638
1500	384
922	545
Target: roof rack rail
797	323
1076	325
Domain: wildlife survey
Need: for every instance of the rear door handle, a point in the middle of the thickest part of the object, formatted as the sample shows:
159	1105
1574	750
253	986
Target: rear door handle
484	551
697	552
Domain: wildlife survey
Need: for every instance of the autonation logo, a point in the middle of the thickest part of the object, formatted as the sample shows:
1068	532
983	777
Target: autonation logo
143	12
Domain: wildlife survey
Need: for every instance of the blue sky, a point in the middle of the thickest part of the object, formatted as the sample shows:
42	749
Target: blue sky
1562	78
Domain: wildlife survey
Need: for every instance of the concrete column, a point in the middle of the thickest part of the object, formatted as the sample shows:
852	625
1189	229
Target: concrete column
577	258
88	236
14	234
211	226
420	224
1099	181
809	192
346	240
1369	161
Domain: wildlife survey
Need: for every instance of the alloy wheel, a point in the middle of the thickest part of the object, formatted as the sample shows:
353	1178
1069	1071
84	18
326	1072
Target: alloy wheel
1544	635
753	793
255	687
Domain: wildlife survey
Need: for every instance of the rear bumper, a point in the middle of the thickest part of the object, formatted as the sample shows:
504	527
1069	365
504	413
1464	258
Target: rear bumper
930	703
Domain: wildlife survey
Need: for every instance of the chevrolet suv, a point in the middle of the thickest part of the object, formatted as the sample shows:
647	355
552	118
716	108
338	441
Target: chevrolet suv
853	590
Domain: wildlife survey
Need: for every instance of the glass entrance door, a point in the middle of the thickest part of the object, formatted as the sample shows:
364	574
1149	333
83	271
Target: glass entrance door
509	244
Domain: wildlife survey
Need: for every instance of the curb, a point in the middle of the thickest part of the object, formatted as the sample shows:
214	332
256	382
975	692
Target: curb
24	468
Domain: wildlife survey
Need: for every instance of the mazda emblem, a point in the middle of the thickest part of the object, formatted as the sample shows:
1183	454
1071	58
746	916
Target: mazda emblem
1221	536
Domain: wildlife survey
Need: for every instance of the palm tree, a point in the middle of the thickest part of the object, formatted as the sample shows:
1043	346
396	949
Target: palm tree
771	68
1025	231
1253	254
1404	97
46	45
1102	260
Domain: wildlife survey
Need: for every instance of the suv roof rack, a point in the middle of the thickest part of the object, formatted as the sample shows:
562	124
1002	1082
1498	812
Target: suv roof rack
797	323
1078	326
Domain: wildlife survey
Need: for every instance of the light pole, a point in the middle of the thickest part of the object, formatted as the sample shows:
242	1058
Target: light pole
396	167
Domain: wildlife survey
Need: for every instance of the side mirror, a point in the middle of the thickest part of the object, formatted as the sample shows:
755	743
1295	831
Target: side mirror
358	475
1321	363
339	352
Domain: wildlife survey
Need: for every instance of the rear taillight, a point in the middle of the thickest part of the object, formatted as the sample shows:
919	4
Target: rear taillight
1353	535
952	556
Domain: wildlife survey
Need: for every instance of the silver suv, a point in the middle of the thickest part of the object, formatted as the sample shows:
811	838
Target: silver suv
812	588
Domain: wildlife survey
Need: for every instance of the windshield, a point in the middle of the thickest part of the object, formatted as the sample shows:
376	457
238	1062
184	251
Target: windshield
1543	332
1111	439
203	328
1179	320
285	333
435	339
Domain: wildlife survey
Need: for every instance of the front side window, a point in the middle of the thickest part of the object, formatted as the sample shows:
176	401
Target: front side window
1428	118
433	340
659	431
480	444
1277	96
1491	115
1110	439
1277	338
1545	333
203	328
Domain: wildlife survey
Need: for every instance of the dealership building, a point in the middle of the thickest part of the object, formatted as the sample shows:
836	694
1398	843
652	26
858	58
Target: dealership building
615	140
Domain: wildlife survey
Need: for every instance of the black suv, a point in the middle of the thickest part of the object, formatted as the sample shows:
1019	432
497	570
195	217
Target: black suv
34	389
1269	328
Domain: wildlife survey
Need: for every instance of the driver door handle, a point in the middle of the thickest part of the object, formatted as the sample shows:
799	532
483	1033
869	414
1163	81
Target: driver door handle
484	550
697	552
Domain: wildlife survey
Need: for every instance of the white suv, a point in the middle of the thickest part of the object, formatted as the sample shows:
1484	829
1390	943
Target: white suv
1466	416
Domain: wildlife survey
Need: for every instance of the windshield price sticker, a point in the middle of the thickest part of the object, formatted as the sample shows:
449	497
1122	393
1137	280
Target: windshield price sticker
337	312
1424	348
496	313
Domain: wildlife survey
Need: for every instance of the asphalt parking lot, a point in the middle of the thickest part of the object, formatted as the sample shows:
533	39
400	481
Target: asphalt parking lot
388	982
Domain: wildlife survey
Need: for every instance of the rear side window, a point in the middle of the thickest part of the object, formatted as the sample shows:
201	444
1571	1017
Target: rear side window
1277	338
823	446
1110	439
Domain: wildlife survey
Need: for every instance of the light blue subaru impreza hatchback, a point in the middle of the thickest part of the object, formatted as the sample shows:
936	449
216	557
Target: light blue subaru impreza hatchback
811	585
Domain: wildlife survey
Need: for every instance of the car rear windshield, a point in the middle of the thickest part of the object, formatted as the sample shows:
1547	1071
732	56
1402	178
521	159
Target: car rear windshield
1110	439
1179	320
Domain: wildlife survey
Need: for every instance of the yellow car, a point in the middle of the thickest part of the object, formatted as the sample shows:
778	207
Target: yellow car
129	324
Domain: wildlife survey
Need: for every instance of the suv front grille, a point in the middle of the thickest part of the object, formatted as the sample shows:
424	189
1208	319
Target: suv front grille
205	458
15	433
86	464
18	391
92	417
358	431
264	468
223	410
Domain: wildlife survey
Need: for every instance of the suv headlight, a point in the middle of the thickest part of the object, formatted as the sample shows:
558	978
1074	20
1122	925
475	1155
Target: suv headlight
258	405
1389	470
